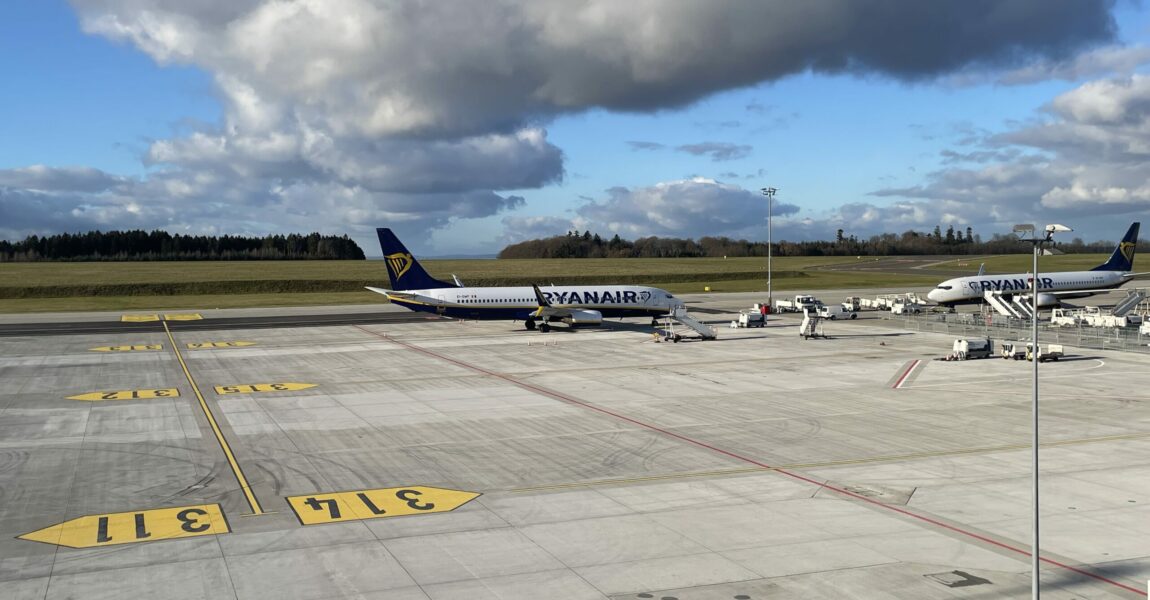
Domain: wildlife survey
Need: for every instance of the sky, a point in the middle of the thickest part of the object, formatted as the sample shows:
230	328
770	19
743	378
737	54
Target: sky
467	125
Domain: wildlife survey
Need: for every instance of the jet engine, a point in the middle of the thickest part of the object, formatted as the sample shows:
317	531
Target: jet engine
584	317
1048	300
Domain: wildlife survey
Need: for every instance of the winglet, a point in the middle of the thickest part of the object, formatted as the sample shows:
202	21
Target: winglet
541	300
539	297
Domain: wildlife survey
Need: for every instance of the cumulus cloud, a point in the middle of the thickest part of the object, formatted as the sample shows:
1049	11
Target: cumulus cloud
402	108
689	207
1086	162
465	67
518	229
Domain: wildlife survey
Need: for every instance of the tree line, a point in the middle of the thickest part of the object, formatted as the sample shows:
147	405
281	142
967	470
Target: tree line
160	245
951	241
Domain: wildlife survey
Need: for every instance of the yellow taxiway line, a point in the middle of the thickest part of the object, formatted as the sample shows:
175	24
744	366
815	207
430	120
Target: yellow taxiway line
253	502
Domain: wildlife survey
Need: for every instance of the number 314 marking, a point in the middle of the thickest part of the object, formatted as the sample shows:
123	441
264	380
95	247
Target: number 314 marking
372	504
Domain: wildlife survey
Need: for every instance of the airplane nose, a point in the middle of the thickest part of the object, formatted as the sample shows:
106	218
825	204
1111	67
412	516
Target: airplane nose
934	295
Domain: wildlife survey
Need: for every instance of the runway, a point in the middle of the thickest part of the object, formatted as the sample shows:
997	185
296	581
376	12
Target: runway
284	456
116	327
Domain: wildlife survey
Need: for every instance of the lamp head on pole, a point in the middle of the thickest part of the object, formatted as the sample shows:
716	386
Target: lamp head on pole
769	192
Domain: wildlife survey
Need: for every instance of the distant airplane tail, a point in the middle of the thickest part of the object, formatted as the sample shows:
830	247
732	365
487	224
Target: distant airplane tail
404	271
1123	257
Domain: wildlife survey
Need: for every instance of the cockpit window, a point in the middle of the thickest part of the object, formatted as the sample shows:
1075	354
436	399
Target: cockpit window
945	287
670	296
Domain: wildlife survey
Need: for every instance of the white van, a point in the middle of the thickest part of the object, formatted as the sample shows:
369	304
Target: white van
837	311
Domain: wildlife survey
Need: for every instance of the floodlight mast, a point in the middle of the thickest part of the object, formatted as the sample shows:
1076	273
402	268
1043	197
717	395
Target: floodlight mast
769	192
1025	233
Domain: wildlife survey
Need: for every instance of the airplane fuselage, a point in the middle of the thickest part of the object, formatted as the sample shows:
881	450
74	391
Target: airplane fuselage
965	290
612	301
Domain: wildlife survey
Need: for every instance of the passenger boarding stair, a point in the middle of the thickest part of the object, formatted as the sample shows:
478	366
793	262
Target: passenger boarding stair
1130	302
999	304
680	314
1023	305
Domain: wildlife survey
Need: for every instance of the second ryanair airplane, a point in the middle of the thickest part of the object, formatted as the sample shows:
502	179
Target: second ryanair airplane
1052	287
413	288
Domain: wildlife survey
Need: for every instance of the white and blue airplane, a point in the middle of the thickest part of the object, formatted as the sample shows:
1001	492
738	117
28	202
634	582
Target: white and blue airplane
413	288
1053	287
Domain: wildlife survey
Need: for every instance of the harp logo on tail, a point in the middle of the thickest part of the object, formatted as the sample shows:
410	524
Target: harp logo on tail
1127	250
399	263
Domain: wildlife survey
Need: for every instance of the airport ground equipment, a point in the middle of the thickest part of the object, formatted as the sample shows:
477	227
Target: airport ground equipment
1132	300
1014	350
800	303
889	301
812	326
1011	305
971	348
1045	353
752	318
905	308
852	303
1065	317
1145	328
680	315
836	311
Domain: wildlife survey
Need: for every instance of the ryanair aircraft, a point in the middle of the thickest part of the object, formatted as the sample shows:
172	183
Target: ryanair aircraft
1052	287
413	288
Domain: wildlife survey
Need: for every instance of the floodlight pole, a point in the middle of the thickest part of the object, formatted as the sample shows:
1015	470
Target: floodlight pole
1034	547
769	192
1037	241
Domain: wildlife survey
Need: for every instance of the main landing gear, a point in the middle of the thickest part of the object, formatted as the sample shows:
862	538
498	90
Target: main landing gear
544	327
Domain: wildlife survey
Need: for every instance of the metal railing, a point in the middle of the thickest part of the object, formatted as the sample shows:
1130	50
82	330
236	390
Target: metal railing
1007	329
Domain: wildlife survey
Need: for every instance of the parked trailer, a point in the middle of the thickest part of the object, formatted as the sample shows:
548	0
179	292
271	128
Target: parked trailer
970	348
852	303
752	318
1045	353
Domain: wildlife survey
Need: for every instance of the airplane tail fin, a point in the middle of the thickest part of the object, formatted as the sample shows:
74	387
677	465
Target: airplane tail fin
1123	257
404	271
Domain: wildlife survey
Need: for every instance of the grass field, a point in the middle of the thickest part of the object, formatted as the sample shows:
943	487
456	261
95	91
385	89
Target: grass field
36	287
1021	263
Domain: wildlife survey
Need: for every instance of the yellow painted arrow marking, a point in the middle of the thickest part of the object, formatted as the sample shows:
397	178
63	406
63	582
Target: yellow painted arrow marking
183	317
139	318
127	395
249	388
135	348
131	527
205	345
333	507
